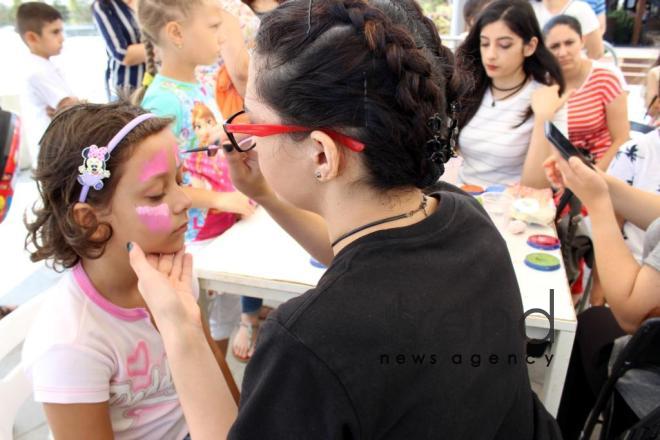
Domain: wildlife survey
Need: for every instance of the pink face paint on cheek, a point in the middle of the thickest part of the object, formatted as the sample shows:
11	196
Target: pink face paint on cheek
155	218
156	165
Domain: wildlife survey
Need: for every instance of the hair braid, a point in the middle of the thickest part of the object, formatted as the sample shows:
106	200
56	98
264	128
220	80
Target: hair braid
379	86
395	45
416	92
152	69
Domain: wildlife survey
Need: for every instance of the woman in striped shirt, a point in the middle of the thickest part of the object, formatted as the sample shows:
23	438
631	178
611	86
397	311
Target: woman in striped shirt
597	108
116	22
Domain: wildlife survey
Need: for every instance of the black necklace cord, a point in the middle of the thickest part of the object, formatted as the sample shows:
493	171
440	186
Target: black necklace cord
421	207
517	89
508	90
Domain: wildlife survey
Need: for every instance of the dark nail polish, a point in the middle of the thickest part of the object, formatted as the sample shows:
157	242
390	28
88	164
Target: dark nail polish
228	147
129	246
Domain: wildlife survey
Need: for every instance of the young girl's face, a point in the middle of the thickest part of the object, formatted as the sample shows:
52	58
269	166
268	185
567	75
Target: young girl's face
201	33
566	45
149	206
503	51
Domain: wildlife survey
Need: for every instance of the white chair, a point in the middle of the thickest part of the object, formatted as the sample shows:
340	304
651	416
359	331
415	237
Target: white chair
15	388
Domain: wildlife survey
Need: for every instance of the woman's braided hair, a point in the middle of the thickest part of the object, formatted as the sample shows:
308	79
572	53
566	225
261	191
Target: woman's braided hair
344	64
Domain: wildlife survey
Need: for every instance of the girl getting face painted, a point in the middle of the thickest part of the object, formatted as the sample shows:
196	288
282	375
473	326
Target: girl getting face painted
107	175
157	210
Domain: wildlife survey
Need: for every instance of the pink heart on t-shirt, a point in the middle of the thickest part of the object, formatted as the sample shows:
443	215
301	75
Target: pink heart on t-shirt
137	365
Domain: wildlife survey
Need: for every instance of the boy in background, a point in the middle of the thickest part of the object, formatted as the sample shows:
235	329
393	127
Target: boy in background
46	91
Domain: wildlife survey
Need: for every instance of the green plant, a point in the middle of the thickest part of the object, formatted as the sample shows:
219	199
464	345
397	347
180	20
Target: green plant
440	12
620	27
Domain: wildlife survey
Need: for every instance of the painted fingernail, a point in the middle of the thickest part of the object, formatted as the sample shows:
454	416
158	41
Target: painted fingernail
228	147
129	246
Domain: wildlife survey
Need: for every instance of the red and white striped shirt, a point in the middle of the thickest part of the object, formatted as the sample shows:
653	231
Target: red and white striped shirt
587	118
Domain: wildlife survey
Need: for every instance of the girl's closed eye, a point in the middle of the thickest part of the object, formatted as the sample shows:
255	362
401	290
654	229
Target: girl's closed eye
156	198
155	193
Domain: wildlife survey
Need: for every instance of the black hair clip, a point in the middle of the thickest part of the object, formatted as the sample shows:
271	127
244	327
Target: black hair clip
435	123
441	148
453	125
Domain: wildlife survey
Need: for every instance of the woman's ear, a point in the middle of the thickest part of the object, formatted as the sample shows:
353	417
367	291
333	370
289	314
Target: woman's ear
327	156
86	217
530	48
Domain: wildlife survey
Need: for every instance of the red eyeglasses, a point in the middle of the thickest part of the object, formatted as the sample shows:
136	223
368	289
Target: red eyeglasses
263	130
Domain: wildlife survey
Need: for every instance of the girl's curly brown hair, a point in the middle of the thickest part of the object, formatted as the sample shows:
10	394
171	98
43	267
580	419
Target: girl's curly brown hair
54	233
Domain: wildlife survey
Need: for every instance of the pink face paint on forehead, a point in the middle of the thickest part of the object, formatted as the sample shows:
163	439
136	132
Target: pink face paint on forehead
158	164
155	218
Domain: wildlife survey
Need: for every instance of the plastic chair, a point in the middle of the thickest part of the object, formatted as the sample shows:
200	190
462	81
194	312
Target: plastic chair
647	428
609	49
642	351
15	388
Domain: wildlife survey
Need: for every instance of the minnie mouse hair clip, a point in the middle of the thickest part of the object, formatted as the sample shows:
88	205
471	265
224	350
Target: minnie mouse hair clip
94	167
92	171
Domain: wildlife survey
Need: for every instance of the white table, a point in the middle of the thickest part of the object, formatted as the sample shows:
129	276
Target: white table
257	258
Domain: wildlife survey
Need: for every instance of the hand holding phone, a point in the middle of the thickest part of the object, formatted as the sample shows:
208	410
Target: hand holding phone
563	145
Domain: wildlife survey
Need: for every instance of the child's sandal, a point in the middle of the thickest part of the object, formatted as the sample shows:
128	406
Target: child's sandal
252	330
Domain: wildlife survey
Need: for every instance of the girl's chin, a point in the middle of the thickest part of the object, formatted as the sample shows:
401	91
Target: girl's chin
171	247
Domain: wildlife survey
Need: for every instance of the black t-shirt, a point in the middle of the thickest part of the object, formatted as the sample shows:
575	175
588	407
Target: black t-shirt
412	333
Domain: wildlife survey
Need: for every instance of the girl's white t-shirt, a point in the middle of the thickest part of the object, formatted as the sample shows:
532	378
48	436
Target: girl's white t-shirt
84	349
493	146
577	9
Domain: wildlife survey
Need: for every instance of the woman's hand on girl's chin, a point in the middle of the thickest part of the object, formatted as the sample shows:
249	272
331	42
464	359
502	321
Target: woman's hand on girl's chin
246	176
166	284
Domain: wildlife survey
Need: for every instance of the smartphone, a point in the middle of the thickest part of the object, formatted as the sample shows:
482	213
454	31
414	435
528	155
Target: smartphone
563	145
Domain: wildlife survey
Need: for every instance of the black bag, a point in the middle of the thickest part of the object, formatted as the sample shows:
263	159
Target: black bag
10	140
574	236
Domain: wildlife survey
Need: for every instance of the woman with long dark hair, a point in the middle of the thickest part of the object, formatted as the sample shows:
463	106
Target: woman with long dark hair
395	341
508	85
